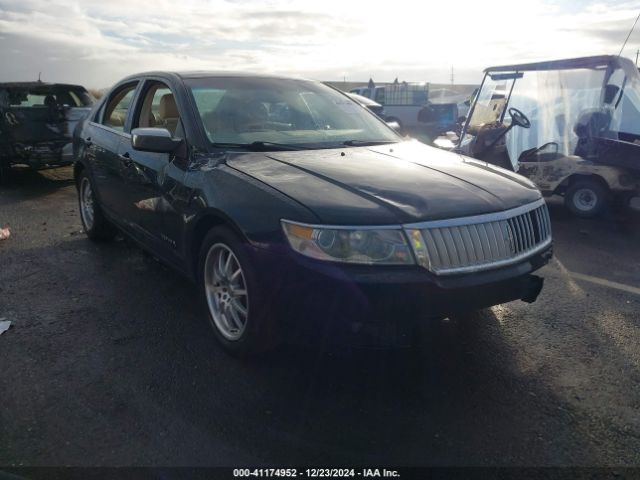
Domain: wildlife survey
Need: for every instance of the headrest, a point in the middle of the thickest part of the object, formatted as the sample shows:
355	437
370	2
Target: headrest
168	108
50	100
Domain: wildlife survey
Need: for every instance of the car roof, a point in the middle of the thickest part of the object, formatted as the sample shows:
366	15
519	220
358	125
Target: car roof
38	85
210	74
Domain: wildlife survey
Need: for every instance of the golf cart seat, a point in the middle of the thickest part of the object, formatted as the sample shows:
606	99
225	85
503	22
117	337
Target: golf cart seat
592	123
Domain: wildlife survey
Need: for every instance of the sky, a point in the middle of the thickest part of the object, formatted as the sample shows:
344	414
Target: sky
97	42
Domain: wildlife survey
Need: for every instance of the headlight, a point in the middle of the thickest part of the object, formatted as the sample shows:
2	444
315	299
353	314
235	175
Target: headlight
351	245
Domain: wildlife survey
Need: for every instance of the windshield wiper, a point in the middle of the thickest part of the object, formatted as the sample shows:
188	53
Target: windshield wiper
364	143
259	146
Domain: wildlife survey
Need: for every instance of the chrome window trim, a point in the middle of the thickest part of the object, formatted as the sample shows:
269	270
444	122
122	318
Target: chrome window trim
484	218
109	129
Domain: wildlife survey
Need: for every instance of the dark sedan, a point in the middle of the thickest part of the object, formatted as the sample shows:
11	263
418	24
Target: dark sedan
295	209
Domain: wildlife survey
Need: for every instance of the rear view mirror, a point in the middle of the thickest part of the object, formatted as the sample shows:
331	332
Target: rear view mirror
157	140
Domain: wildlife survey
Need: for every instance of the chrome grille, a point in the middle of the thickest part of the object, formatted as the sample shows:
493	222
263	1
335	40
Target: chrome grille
482	242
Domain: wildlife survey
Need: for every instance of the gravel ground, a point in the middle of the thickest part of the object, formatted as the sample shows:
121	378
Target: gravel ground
109	362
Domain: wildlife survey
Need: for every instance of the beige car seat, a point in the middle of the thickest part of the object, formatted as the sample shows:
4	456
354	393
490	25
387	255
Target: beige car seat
168	116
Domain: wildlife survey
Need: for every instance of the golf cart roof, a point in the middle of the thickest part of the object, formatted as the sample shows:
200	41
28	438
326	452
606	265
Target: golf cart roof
564	64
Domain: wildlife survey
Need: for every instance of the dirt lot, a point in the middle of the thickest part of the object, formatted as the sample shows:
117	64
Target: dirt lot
109	362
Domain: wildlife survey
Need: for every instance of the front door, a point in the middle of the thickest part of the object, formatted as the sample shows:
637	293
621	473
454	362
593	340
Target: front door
151	177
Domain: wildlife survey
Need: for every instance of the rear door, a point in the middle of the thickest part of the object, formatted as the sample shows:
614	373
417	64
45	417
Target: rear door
106	135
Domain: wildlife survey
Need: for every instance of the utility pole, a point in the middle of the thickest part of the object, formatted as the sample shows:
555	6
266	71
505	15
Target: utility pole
637	53
452	75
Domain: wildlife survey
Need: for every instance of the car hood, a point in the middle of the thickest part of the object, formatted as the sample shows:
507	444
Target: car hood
389	184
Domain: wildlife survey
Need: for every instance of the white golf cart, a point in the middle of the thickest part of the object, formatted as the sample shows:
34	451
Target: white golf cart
571	126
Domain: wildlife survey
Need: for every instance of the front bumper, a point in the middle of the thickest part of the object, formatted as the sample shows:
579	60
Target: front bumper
383	304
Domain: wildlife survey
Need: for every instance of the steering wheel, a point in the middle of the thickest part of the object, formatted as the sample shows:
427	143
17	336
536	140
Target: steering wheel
518	118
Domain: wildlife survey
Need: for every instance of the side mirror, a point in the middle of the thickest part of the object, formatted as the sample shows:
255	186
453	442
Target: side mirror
394	125
156	140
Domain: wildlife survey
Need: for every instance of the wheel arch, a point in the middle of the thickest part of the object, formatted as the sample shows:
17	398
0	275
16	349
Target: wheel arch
78	168
576	177
198	231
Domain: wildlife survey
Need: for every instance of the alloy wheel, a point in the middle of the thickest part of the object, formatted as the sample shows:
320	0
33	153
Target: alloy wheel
87	203
226	291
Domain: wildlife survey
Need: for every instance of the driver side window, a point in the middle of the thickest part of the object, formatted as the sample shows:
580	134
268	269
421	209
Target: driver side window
159	110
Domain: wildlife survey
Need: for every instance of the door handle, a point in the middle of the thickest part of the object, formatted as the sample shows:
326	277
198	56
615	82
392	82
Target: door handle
126	159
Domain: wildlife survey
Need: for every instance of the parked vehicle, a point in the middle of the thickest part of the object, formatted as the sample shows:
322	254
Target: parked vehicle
375	107
446	96
37	121
402	102
295	209
573	127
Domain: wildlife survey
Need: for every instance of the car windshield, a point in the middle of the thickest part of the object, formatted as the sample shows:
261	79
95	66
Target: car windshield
299	113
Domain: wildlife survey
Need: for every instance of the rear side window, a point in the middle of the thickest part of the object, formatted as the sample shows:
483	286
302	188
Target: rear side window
25	98
81	97
118	105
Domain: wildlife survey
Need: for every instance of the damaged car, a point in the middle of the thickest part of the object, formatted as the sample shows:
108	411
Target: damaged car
297	211
37	120
571	126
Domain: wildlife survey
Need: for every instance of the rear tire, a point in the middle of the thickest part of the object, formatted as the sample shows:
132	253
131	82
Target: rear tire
237	304
94	223
586	198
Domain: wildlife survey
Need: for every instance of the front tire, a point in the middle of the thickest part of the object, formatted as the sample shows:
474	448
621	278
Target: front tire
94	223
586	198
236	302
